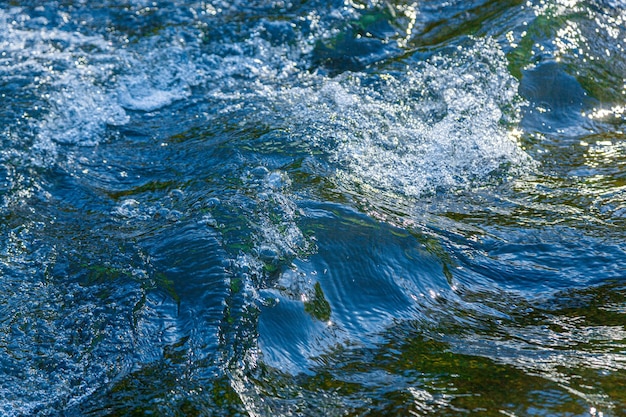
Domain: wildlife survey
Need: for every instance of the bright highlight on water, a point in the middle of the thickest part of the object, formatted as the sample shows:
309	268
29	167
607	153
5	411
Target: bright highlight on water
336	208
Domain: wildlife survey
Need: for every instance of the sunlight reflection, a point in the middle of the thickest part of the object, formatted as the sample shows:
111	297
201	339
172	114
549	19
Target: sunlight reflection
423	400
411	12
595	413
569	40
605	152
617	112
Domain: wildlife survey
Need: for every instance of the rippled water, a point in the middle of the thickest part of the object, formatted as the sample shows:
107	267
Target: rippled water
277	208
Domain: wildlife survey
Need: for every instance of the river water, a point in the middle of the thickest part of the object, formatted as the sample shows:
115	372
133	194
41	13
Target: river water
275	208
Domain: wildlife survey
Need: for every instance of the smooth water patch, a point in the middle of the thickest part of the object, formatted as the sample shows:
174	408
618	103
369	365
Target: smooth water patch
365	277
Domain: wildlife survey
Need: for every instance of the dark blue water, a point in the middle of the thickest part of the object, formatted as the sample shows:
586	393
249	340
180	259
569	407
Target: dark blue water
277	208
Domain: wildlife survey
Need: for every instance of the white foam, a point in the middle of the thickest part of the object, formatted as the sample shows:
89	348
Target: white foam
278	236
157	79
86	83
439	126
79	113
147	99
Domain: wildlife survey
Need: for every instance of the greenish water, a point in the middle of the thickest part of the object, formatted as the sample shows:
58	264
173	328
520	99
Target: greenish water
313	208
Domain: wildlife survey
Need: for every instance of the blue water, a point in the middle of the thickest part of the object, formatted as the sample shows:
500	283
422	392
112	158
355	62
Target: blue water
277	208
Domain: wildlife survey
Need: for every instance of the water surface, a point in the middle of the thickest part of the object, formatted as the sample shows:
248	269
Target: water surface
313	208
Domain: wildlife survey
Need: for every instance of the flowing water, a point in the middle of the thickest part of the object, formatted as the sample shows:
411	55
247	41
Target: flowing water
275	208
